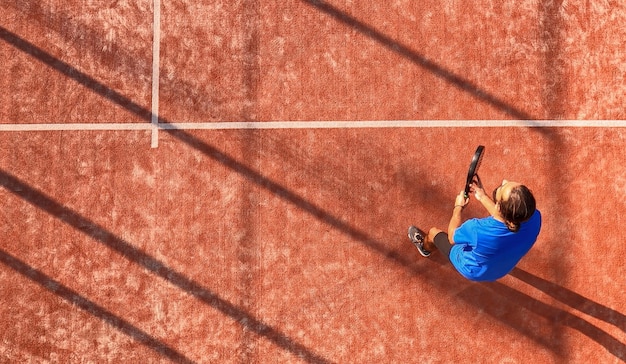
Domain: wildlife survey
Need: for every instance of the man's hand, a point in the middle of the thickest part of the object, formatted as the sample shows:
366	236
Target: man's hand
477	188
461	200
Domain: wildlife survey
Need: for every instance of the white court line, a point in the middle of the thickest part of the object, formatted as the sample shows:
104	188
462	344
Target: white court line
156	49
76	127
318	125
395	124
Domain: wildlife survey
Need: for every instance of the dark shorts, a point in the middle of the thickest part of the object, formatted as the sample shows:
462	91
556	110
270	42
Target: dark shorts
443	243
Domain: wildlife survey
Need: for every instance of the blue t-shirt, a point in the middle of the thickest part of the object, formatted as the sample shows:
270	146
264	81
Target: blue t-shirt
485	250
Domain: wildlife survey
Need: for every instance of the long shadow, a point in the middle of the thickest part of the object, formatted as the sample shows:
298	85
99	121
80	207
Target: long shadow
196	143
288	195
555	92
556	316
94	309
248	249
82	224
211	152
91	42
572	299
420	60
508	306
127	250
75	74
502	310
554	97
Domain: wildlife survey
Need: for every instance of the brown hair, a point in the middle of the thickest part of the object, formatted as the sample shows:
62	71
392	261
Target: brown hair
519	207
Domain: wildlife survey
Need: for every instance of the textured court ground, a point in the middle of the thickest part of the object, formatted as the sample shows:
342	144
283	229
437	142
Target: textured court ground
289	245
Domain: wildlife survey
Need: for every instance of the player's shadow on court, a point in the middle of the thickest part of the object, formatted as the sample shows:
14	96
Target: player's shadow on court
540	321
572	299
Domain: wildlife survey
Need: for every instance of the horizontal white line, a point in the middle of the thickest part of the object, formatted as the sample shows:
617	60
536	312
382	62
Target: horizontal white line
319	125
396	124
77	127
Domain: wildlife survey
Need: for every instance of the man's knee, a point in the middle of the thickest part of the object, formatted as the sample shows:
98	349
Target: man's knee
433	232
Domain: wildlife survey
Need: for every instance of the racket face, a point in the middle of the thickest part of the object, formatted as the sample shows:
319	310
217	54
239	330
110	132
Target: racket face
473	168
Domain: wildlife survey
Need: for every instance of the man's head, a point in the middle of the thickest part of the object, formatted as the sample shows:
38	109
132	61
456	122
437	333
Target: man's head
515	203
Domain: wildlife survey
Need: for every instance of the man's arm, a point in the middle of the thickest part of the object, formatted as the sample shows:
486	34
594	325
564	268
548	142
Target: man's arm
456	219
485	200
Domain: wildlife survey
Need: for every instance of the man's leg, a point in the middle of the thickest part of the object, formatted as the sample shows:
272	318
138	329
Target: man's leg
438	239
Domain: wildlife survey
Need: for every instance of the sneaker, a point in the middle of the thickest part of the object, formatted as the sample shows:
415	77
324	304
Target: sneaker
417	237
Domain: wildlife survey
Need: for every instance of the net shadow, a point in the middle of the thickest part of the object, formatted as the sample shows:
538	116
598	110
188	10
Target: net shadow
92	308
80	223
555	89
406	52
127	250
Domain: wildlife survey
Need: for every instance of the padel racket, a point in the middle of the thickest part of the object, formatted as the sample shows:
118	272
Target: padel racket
473	168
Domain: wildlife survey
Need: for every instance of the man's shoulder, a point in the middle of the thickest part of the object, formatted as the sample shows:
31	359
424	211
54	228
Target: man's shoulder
482	221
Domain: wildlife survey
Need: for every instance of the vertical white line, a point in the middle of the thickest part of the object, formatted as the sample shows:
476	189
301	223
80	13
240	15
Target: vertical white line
156	49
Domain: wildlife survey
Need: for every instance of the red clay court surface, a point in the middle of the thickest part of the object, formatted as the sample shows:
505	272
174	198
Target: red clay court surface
145	242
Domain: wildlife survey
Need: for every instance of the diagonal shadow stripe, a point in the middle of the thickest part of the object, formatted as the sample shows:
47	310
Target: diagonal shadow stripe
289	196
196	143
75	74
94	309
505	303
209	297
507	308
100	234
561	317
420	60
572	299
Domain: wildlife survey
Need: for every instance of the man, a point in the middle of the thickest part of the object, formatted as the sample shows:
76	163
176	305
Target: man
486	249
